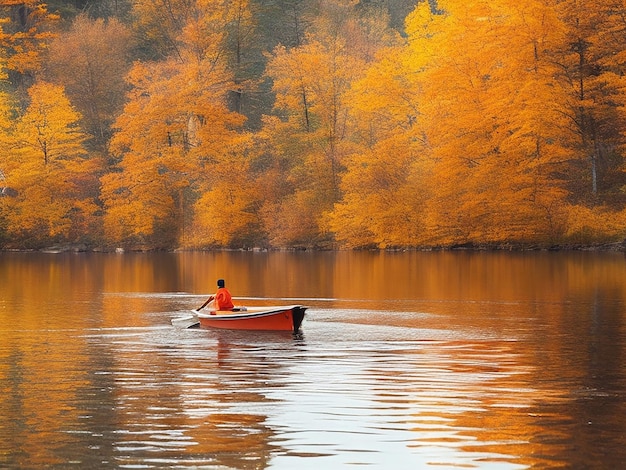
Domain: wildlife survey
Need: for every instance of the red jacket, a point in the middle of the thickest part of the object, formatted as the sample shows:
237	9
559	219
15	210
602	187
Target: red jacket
223	300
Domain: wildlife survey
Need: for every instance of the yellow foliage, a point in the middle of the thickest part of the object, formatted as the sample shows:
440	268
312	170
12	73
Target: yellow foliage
589	225
23	46
224	212
48	168
312	84
48	132
6	107
136	201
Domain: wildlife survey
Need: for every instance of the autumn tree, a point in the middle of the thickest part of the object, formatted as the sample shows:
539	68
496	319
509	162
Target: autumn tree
311	123
91	61
593	67
50	170
24	32
384	188
174	137
382	191
509	134
311	82
242	49
491	116
478	145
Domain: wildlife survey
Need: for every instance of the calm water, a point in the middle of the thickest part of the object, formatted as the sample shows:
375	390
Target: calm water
405	361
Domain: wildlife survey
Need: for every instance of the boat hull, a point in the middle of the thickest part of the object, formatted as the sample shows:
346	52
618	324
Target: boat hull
255	318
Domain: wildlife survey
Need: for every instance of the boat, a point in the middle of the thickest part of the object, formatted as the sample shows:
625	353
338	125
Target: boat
283	318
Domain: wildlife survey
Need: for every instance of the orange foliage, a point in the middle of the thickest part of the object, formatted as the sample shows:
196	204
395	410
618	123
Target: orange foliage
491	122
312	84
174	127
383	197
493	125
227	210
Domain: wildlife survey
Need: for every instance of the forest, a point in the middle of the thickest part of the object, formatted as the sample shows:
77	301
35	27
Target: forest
312	124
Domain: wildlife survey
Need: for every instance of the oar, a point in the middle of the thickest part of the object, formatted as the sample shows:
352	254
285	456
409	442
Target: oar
186	322
205	303
192	320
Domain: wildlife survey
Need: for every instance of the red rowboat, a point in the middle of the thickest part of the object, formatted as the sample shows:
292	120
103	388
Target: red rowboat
287	318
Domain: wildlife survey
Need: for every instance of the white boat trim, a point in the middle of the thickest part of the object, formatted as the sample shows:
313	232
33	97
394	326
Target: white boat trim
249	312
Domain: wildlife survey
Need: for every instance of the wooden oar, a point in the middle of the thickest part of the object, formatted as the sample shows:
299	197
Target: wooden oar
205	303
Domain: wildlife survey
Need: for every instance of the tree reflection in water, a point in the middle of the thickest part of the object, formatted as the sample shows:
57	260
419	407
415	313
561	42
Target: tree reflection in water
512	360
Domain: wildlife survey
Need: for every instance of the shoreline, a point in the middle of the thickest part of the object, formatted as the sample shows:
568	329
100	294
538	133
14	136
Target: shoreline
511	247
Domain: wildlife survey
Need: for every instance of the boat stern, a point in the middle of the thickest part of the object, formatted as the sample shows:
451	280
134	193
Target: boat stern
297	313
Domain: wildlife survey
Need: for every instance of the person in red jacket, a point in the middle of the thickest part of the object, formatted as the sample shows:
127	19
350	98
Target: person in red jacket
222	298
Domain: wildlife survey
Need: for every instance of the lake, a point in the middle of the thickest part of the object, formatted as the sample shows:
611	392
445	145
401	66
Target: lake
487	360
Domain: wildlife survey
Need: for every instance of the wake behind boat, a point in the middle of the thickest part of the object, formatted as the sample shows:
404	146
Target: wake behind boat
278	318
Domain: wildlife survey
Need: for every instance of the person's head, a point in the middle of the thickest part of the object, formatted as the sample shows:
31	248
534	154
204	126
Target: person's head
220	283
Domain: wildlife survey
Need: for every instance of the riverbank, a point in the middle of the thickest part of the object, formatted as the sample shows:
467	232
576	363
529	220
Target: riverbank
82	248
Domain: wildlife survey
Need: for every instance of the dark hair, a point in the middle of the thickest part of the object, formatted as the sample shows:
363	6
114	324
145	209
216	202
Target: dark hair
220	283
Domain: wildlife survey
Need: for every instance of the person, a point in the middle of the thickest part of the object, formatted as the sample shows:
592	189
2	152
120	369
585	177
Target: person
222	300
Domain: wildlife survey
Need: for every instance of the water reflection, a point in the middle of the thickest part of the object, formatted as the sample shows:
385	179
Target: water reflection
405	361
